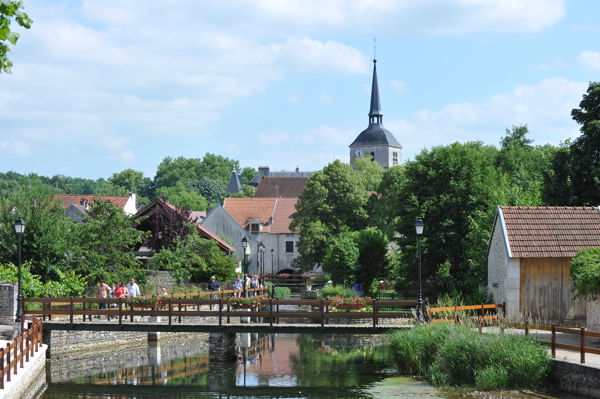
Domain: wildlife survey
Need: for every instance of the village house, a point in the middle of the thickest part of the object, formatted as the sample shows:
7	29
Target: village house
77	205
529	256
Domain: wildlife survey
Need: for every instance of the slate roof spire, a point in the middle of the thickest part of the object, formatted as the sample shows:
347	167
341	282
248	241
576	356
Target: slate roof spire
375	115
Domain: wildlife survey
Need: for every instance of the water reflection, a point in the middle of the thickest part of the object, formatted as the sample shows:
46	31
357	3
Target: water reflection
263	366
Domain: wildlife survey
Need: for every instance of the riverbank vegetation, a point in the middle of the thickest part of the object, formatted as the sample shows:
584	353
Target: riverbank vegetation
457	355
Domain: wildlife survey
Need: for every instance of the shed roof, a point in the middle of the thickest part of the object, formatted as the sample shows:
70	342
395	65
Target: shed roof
550	232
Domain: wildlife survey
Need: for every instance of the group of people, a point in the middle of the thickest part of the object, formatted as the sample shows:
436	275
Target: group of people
252	281
117	290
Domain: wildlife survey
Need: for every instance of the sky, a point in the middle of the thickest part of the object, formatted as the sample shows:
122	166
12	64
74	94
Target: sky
101	86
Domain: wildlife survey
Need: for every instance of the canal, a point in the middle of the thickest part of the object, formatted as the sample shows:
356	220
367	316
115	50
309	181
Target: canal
243	366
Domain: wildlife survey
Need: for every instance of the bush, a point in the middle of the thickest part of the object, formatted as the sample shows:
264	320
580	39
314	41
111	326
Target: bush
585	272
337	291
282	292
70	284
451	355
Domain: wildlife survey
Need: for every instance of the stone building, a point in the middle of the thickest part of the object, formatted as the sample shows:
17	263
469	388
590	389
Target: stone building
376	142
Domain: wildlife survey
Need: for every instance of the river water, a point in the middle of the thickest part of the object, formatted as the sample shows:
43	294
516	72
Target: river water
252	366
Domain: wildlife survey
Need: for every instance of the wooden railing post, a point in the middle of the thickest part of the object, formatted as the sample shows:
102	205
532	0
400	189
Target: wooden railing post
120	311
71	310
1	368
40	337
228	310
27	345
8	364
170	311
220	311
553	341
21	360
582	344
271	312
83	308
15	355
375	311
50	311
504	310
526	328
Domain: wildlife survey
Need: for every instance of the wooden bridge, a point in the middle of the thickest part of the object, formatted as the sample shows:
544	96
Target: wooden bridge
211	312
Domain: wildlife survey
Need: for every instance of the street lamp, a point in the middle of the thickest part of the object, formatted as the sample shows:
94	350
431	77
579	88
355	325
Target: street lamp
419	225
262	261
247	253
272	280
20	229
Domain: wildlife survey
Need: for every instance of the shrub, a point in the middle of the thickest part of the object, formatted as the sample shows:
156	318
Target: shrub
337	291
585	272
451	355
282	292
70	284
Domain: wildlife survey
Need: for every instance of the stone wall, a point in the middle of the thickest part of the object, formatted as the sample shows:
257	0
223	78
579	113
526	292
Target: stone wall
592	314
66	343
8	303
106	358
576	378
159	279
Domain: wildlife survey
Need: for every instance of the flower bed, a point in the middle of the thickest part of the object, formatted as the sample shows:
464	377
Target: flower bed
252	302
348	304
153	302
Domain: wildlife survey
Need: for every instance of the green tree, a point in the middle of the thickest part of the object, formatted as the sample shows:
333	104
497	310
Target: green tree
369	173
182	197
575	175
10	9
213	190
194	258
341	258
332	202
452	188
372	262
47	241
248	174
128	179
103	245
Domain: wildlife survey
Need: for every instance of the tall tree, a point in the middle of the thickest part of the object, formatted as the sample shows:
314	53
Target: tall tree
9	10
333	201
128	179
213	190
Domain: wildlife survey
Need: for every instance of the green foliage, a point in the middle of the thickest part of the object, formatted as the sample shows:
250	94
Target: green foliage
187	170
103	245
574	178
332	291
341	258
372	261
132	181
47	241
10	9
194	258
68	284
368	173
247	175
282	292
183	197
585	272
457	355
332	202
213	190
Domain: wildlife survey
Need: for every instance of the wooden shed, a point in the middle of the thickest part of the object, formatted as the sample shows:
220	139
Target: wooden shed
529	256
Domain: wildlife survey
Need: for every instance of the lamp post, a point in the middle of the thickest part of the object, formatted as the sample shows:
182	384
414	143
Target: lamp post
272	283
247	253
419	225
19	229
262	262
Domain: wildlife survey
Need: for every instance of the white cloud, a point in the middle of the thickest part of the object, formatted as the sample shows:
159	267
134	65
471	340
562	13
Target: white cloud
590	59
544	107
397	86
326	99
14	147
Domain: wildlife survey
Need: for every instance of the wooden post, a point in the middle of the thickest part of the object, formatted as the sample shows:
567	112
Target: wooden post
504	310
21	360
553	342
170	311
50	310
27	346
271	312
8	368
455	314
40	337
71	310
582	344
1	368
120	311
15	355
526	328
228	310
131	312
179	308
83	308
44	306
220	311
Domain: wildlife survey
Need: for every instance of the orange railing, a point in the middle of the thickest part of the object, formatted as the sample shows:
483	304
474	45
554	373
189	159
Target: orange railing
22	348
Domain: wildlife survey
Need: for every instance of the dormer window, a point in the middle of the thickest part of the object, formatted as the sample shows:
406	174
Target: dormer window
255	226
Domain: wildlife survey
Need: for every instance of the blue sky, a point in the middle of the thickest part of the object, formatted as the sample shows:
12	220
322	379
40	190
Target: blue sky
101	86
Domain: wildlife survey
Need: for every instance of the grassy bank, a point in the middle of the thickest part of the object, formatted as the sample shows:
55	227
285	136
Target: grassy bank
458	355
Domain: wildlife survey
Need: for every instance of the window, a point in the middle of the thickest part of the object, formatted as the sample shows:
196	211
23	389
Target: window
394	158
372	156
254	228
289	247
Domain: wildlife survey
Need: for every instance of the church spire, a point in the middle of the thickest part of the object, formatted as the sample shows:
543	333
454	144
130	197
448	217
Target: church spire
375	115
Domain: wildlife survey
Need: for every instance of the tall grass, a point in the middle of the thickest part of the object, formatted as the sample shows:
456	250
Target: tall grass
458	355
337	291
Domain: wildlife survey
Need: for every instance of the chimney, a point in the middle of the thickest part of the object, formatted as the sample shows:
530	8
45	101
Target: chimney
263	171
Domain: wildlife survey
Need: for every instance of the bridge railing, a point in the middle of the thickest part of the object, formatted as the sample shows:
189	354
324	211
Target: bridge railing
175	310
19	351
482	314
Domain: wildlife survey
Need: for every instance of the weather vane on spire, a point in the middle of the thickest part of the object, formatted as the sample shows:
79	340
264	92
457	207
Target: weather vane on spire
374	50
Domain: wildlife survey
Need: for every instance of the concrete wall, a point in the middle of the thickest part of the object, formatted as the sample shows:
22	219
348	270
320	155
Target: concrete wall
30	380
576	378
8	303
383	154
503	274
592	313
282	259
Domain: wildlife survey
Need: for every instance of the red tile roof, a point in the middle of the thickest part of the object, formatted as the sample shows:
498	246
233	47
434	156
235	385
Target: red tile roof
286	187
274	213
77	199
551	232
245	209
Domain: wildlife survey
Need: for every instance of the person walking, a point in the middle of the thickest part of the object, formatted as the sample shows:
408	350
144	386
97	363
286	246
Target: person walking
213	285
133	288
103	290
